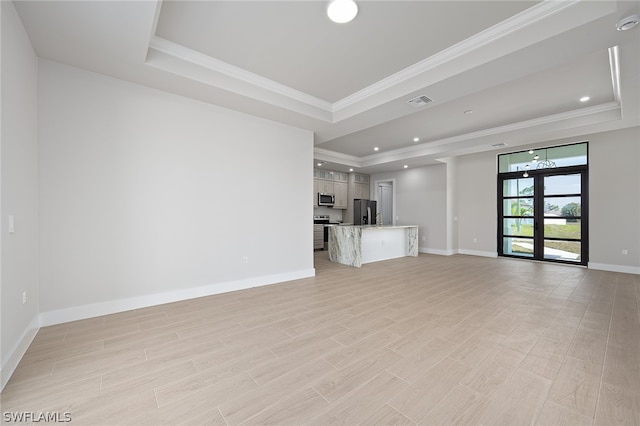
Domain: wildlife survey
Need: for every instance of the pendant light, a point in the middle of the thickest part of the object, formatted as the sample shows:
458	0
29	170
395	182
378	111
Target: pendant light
342	11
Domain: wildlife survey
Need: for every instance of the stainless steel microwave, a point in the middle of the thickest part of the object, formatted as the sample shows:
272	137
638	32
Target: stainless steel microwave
326	199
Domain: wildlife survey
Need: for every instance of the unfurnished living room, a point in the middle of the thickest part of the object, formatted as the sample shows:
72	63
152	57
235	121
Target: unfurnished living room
287	213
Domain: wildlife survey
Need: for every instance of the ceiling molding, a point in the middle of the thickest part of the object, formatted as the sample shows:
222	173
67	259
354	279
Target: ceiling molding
336	157
189	55
483	38
443	147
374	95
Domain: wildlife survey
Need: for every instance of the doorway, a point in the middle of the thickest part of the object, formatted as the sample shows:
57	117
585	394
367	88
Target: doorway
385	198
544	216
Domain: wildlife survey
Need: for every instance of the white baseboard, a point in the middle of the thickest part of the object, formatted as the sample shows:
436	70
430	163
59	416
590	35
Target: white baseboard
614	268
10	364
114	306
478	253
436	251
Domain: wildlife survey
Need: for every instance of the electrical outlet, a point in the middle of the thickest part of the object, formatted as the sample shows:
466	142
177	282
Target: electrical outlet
475	240
24	297
424	238
625	251
245	260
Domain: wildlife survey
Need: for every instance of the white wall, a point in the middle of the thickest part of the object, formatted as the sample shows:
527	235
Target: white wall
19	191
421	199
477	211
614	199
148	197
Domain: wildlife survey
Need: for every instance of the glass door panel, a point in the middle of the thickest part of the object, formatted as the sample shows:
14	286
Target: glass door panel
542	216
519	227
517	223
563	224
517	187
518	246
563	184
563	250
562	206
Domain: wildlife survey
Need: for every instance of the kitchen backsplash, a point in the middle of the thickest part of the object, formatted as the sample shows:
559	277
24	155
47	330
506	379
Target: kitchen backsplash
334	214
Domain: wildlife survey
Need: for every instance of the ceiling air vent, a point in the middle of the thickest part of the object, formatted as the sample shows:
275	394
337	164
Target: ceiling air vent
499	145
419	101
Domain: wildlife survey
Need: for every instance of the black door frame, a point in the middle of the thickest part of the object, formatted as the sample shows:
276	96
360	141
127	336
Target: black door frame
538	239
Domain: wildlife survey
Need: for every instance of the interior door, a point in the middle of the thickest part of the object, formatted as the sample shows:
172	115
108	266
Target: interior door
385	202
544	216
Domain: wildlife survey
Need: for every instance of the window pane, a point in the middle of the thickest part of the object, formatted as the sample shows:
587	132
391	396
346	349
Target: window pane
562	228
562	206
522	227
515	187
562	250
560	156
518	207
518	246
568	155
562	184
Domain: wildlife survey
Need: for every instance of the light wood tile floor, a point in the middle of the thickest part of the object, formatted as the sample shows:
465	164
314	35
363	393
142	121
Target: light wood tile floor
429	340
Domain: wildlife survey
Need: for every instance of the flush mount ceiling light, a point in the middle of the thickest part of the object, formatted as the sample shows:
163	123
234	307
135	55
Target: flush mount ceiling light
342	11
584	98
416	139
628	23
376	148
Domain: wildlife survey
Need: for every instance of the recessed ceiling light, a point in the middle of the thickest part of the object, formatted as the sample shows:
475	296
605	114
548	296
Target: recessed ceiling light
584	98
406	166
342	11
350	170
628	23
376	148
416	139
469	111
320	163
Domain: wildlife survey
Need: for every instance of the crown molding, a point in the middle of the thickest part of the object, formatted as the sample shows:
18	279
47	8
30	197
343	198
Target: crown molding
365	99
609	111
507	27
336	157
186	54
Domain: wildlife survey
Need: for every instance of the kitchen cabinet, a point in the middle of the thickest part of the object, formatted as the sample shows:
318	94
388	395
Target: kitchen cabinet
318	237
323	182
336	183
358	187
341	191
325	186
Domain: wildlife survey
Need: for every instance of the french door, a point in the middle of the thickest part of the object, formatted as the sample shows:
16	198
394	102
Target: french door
544	216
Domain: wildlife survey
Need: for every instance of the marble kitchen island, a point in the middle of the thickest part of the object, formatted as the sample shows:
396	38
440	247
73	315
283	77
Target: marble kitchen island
355	245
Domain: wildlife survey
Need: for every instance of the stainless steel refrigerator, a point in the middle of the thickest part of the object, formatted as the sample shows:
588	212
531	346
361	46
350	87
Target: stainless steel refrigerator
364	212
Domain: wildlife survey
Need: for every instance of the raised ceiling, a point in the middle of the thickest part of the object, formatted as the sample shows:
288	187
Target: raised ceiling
519	66
293	43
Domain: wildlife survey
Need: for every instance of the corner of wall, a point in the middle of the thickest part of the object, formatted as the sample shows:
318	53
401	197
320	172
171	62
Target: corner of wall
10	364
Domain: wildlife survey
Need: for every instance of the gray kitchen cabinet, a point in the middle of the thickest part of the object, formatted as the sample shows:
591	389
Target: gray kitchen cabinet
318	237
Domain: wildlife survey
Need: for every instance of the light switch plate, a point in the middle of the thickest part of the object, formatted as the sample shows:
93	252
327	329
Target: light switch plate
12	226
